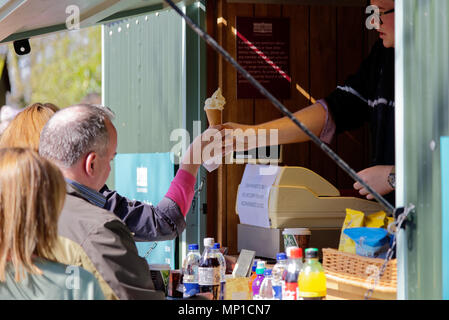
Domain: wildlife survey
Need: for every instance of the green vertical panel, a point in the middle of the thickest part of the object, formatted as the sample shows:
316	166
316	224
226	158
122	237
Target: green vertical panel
144	82
423	49
196	121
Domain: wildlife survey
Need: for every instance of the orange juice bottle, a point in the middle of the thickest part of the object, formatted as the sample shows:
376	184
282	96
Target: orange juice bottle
312	280
253	276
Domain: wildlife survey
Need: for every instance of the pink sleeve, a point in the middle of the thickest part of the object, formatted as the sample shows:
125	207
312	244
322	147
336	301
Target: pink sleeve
182	190
329	126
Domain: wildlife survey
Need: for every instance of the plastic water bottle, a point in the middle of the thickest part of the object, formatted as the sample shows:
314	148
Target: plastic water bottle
266	289
222	261
278	275
294	267
209	271
258	281
190	271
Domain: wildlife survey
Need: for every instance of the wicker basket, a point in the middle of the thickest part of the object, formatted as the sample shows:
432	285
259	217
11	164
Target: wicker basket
349	276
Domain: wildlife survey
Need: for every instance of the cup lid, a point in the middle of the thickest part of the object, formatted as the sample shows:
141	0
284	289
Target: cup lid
209	242
297	231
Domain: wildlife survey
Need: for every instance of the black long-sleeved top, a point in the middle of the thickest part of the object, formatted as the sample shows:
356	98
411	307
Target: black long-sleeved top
368	96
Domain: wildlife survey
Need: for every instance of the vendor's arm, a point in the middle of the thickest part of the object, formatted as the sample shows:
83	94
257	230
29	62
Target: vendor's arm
315	117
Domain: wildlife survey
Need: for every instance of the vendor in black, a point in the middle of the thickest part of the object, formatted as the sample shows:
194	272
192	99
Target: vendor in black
367	96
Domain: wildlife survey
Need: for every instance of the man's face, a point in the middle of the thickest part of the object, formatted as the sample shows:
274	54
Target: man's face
386	30
104	161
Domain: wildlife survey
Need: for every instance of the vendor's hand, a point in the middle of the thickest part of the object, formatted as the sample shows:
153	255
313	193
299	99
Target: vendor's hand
244	136
377	178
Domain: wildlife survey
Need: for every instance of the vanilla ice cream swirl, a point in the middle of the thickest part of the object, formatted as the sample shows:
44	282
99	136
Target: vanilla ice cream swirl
217	101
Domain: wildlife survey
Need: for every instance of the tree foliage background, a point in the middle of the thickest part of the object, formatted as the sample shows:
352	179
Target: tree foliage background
62	68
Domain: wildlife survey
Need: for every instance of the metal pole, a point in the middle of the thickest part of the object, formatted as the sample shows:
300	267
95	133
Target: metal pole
340	162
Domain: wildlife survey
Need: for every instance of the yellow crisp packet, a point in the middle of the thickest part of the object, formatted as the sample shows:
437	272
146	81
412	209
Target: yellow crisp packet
354	219
388	220
375	220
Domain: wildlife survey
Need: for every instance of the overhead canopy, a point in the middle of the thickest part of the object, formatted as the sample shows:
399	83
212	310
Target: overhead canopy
20	19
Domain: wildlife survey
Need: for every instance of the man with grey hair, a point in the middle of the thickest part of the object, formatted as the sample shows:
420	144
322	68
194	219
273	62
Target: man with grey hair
82	141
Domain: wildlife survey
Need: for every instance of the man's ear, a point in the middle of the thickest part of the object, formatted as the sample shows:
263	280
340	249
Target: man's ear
90	163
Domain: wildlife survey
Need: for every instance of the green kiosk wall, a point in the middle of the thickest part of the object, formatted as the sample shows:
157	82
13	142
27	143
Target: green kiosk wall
153	79
422	118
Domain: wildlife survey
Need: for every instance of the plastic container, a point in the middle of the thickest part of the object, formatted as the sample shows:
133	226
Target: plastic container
294	267
190	271
209	271
222	261
266	289
312	280
258	280
278	274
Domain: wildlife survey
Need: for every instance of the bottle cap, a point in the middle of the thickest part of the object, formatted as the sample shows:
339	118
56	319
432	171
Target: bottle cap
288	251
296	253
193	247
260	267
281	256
253	268
216	245
208	242
267	272
312	253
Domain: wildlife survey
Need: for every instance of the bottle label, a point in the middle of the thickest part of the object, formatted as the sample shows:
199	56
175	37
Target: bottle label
191	289
209	276
277	292
290	291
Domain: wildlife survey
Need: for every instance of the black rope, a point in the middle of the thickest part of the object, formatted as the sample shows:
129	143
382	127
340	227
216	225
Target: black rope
342	164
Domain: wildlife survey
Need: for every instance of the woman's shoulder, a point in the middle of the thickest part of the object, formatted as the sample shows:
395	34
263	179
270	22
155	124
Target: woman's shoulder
78	282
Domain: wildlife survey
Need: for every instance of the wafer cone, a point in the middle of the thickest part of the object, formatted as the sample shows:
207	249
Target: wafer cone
214	116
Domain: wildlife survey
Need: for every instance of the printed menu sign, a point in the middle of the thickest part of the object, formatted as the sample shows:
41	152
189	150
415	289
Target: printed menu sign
263	49
253	194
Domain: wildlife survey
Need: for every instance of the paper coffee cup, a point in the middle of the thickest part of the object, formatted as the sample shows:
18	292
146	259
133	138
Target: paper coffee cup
297	237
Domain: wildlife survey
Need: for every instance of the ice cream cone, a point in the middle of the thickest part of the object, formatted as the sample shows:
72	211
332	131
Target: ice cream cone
214	108
214	116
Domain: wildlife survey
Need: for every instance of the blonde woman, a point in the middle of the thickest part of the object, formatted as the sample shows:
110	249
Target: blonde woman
25	129
32	194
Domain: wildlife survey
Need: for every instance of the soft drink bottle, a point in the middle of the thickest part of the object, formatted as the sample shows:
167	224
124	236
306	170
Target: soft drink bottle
294	267
209	271
266	289
190	271
312	280
258	281
222	261
278	274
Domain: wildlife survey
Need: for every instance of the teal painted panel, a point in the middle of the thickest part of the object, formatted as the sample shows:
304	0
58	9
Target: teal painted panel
423	45
146	177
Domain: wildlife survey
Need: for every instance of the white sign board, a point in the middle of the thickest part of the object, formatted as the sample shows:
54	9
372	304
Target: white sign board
254	190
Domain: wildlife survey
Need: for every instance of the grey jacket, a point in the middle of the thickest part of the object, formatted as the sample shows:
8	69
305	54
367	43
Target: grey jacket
109	245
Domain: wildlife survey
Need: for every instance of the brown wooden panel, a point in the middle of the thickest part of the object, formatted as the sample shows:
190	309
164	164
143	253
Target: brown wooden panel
298	154
264	109
350	144
323	75
242	111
